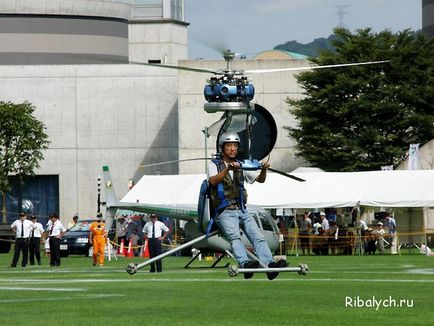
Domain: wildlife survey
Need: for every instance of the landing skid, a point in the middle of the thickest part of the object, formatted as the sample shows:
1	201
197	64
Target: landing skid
132	268
302	269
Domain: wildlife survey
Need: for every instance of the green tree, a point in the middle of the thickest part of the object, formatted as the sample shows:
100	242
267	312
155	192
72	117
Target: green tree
364	117
22	141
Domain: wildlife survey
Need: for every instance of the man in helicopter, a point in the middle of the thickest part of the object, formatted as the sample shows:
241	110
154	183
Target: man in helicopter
228	198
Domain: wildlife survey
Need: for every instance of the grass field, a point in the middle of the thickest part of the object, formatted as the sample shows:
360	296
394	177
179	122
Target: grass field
79	294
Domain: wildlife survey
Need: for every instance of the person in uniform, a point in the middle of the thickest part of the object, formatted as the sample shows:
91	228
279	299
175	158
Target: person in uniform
228	197
98	239
35	240
55	230
155	231
21	227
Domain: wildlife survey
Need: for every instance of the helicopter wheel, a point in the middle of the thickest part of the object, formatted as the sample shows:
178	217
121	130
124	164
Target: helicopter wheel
233	270
303	269
131	268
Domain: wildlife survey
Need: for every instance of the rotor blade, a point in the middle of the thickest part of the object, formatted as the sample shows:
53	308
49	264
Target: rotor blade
261	71
214	129
204	70
176	161
208	158
287	175
217	42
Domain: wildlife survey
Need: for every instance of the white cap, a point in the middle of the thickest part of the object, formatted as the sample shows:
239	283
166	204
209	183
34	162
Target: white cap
322	214
379	223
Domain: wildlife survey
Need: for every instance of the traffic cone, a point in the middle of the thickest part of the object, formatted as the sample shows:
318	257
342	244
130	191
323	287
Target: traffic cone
121	249
130	252
145	251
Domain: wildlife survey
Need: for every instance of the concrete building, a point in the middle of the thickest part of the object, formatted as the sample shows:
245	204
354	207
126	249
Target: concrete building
63	32
70	59
157	31
428	17
96	114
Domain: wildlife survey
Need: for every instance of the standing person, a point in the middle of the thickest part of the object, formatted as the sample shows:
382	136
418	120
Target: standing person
391	225
35	241
55	231
379	234
98	239
362	232
305	227
22	228
121	230
155	231
370	247
332	237
324	222
228	198
73	222
134	237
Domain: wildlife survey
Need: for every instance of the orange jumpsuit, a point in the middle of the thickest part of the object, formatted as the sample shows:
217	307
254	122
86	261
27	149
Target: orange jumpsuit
99	237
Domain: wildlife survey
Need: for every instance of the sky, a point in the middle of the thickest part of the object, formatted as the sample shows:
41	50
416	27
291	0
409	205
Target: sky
252	26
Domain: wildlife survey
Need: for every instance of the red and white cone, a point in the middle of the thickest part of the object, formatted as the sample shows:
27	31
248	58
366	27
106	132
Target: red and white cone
145	251
130	252
121	249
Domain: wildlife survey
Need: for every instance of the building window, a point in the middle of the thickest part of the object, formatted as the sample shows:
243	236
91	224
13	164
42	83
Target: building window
38	195
177	9
147	9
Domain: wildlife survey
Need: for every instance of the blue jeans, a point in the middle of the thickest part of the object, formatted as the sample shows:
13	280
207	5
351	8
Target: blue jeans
230	222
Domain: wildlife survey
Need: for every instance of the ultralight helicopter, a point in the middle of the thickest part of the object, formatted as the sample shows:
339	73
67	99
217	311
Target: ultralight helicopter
229	92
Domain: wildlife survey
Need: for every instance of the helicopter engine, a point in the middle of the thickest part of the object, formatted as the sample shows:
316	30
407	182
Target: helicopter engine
226	89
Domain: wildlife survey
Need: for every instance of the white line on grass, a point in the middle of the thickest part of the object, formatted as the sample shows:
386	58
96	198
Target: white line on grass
64	281
240	279
86	296
416	271
59	271
19	288
424	271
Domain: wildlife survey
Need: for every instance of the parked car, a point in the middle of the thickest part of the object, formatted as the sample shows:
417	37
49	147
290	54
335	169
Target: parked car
76	240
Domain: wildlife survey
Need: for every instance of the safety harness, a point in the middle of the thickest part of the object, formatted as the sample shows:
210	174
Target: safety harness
223	201
218	197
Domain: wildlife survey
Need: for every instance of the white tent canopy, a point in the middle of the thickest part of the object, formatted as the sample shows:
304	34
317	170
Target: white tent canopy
401	188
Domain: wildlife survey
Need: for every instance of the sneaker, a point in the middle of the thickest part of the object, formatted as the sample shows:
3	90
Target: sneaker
279	264
250	264
272	275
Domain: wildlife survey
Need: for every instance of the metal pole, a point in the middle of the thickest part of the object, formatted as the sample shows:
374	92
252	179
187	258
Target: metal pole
98	203
133	268
296	236
205	131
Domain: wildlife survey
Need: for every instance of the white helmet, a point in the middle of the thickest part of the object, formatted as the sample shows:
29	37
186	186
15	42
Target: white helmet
228	137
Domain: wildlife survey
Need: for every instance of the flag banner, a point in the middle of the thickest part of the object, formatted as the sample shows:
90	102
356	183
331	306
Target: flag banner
413	157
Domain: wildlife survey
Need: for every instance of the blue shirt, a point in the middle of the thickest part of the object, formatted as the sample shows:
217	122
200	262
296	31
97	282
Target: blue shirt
392	225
